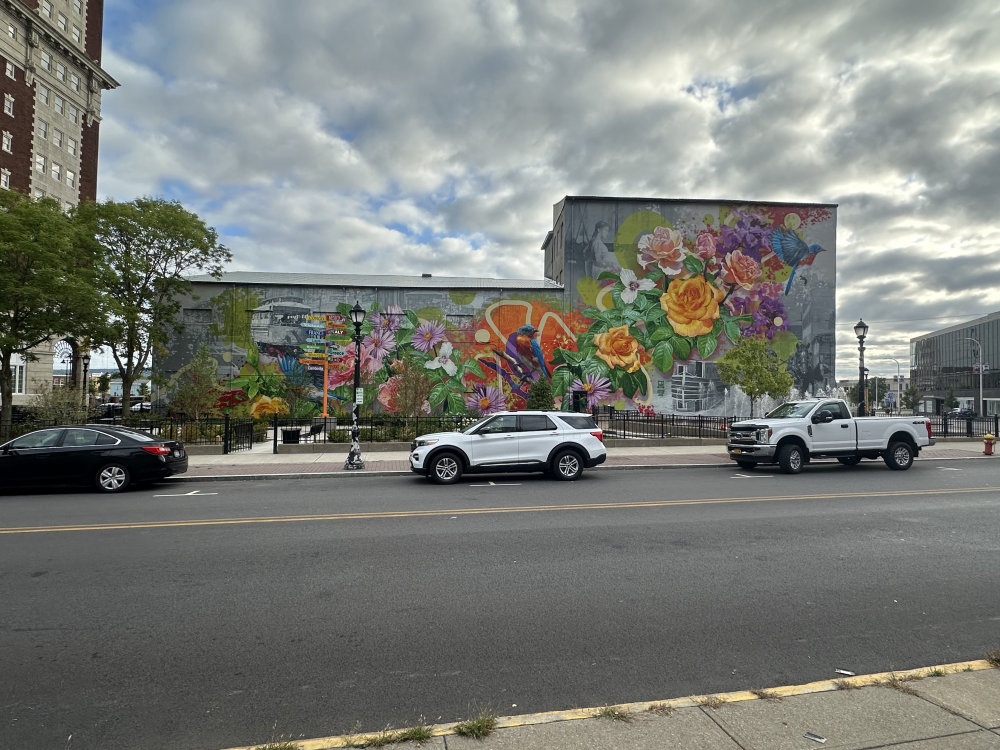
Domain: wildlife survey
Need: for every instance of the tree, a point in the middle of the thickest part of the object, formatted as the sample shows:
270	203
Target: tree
147	245
48	286
104	385
911	397
950	402
756	370
875	391
540	395
196	391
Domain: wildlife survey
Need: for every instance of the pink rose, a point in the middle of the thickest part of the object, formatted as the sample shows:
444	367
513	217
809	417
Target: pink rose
662	248
705	245
740	269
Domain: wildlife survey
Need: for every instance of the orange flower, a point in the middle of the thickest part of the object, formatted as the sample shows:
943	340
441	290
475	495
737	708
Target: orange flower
619	349
265	405
691	305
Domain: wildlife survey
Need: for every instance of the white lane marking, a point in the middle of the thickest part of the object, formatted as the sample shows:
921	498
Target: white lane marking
188	494
948	468
752	476
498	484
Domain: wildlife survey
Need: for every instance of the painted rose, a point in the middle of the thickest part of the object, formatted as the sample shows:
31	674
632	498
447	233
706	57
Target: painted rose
705	245
265	406
662	248
691	305
740	269
388	393
619	349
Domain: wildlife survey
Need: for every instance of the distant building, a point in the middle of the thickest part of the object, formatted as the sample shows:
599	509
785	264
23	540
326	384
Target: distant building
51	86
958	359
638	300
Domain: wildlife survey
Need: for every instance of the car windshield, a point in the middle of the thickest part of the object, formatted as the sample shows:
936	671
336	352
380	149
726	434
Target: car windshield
475	425
792	409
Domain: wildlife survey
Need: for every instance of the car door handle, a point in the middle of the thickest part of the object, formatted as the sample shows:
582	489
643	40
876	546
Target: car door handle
843	426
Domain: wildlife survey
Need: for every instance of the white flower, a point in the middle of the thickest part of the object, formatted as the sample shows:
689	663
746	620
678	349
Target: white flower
633	285
443	360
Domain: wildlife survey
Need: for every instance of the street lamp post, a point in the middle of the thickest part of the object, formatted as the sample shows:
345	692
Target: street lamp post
979	353
861	330
899	386
354	460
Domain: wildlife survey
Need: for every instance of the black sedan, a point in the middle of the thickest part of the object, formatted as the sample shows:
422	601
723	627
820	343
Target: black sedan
108	458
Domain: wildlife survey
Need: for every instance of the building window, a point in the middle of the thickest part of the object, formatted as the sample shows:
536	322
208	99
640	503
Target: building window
57	137
58	104
74	81
71	178
17	370
5	179
61	22
7	143
42	129
74	114
56	171
77	35
46	8
10	70
71	147
46	61
43	94
78	6
60	71
40	163
8	104
12	31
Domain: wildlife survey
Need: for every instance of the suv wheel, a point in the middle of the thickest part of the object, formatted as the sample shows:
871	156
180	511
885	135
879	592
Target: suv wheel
446	468
567	465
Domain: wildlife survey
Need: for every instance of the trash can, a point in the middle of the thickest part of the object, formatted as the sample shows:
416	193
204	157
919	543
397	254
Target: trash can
290	436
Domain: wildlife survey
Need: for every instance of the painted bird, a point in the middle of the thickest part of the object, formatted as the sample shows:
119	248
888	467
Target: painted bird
792	251
524	354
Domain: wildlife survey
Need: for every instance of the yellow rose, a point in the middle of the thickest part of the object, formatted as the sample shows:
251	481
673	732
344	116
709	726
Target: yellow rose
691	305
619	349
265	405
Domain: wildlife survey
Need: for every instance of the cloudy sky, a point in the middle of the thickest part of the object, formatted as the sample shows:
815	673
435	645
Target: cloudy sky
434	136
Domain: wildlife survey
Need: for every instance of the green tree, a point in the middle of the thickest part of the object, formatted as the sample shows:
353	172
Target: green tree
874	395
143	391
48	286
911	397
950	402
757	370
58	404
148	245
196	390
540	395
104	385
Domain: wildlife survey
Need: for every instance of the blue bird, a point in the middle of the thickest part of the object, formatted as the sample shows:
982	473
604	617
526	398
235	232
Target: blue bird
524	347
792	251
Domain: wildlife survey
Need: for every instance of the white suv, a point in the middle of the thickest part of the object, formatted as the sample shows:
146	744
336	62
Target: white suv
561	443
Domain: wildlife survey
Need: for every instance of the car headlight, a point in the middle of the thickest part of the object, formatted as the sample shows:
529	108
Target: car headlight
764	435
422	442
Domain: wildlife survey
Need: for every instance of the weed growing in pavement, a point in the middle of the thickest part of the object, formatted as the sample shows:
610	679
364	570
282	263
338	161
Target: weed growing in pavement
478	728
899	683
661	709
936	672
711	701
846	685
278	746
615	713
419	734
993	657
764	694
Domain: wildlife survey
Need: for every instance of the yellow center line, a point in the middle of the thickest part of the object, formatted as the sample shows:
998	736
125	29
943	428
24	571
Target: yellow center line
477	511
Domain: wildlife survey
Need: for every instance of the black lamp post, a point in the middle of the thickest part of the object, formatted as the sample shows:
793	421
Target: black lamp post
85	359
861	330
354	460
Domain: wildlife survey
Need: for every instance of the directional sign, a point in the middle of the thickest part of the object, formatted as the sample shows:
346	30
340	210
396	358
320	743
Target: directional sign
311	324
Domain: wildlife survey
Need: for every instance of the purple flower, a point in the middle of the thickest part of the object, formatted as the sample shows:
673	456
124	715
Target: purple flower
391	319
596	387
428	335
382	341
486	398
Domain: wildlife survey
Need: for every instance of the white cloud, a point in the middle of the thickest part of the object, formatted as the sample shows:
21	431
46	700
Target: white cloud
380	137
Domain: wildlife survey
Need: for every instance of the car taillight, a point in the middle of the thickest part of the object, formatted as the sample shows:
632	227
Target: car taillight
157	450
928	423
599	434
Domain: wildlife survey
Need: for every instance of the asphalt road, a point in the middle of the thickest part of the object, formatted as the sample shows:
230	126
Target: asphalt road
251	612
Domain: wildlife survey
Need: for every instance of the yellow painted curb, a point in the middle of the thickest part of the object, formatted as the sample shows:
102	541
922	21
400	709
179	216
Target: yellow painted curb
549	717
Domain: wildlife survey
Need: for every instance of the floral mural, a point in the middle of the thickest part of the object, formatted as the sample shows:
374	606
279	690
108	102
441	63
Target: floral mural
658	295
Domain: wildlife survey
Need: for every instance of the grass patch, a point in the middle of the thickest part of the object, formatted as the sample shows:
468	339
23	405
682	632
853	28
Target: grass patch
278	746
993	657
478	728
615	713
419	734
846	685
899	683
764	694
936	673
711	701
661	709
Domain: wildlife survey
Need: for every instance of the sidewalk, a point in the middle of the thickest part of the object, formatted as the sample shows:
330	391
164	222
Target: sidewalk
952	707
261	463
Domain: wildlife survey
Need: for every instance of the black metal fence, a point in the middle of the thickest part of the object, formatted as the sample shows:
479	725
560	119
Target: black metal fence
374	428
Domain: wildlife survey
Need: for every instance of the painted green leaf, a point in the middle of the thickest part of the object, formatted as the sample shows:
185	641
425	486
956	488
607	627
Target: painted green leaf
707	344
562	377
732	330
693	264
607	275
663	357
681	346
596	366
438	393
472	366
784	345
456	402
462	296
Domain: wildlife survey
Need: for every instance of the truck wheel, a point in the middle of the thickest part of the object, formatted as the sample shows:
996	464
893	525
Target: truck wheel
850	460
747	465
446	468
899	456
790	458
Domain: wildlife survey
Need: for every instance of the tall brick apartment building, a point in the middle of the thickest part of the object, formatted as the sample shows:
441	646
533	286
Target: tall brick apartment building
51	81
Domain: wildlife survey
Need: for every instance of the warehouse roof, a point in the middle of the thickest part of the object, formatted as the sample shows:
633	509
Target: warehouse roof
354	280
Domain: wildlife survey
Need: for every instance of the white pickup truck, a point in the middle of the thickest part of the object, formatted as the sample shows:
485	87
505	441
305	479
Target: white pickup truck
798	431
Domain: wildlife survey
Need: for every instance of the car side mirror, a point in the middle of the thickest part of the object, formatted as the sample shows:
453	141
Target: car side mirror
823	415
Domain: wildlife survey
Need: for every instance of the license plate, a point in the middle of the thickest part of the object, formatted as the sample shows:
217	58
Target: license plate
737	450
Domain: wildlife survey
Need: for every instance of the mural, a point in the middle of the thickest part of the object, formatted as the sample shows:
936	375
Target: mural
652	296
